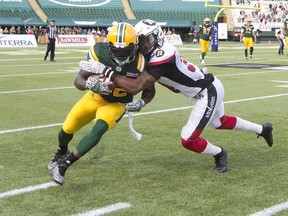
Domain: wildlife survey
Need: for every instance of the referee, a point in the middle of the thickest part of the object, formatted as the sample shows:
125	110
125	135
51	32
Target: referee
51	34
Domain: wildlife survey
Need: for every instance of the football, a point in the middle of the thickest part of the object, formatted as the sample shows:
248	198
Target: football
105	79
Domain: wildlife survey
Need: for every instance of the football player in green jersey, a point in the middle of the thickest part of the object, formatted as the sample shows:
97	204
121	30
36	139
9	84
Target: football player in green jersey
248	34
105	107
285	32
204	31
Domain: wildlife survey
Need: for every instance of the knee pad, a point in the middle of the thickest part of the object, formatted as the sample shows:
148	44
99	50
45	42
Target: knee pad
227	122
198	145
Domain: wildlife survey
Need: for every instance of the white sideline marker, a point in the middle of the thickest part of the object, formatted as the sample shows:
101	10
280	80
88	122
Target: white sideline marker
105	210
272	210
27	189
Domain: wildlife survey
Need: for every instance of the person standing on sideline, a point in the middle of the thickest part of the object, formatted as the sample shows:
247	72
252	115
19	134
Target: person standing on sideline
248	34
167	67
281	38
51	35
205	32
285	32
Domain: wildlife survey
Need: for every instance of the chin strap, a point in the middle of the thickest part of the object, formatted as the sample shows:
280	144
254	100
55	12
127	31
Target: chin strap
134	133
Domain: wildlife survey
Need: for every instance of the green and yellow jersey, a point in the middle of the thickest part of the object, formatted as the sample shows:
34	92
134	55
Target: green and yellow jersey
100	52
248	31
205	32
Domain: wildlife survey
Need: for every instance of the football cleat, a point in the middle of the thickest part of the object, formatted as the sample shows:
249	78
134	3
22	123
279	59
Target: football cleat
202	62
246	59
58	155
267	133
58	172
250	58
221	161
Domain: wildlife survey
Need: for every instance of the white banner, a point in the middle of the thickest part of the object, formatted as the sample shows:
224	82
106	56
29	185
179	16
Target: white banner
175	39
17	40
75	40
222	31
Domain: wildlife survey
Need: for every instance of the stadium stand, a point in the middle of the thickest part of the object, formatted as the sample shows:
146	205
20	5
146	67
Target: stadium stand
165	10
16	11
85	10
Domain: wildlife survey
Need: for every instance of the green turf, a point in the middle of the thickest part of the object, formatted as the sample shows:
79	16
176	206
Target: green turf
156	175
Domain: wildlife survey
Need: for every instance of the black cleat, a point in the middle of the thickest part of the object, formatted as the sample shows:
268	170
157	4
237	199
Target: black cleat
52	60
58	155
45	58
267	133
221	161
58	172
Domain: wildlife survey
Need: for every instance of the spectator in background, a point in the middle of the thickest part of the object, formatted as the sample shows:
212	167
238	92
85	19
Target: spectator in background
6	31
51	35
12	30
19	30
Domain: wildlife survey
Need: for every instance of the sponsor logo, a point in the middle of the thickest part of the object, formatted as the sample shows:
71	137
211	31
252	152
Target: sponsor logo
210	107
15	43
81	3
159	53
68	40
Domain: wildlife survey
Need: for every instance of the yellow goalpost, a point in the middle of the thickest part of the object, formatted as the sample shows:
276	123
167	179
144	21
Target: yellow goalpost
214	41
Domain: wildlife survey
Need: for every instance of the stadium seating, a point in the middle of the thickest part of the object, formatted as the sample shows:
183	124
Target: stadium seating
107	11
165	10
16	9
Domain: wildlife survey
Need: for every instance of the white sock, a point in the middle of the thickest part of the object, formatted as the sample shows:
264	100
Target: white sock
244	125
211	149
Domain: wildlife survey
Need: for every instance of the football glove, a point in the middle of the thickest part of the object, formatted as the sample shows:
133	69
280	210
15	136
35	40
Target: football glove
94	84
135	106
93	66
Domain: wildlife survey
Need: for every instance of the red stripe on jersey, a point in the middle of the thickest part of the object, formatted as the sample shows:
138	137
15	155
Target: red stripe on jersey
163	61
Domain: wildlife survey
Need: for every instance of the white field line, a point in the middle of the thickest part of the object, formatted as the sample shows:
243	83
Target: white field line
272	210
27	189
40	74
144	113
33	90
105	210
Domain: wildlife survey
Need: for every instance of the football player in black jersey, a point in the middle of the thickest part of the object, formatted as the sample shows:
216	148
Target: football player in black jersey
168	68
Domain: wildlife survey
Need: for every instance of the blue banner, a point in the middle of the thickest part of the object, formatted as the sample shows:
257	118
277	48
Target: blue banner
214	40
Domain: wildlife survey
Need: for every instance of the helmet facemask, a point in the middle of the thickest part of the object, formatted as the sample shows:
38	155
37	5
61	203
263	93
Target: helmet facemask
150	36
147	43
122	43
122	55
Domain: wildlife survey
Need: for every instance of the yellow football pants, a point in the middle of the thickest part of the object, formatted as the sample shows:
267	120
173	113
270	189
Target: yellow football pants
204	45
92	106
248	42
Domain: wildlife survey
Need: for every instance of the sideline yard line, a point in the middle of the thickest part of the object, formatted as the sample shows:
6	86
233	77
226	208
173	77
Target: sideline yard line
27	189
33	90
272	210
145	113
32	59
105	210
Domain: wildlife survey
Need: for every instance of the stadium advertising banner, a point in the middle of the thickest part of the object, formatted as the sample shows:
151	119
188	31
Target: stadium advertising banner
75	40
17	41
174	39
222	31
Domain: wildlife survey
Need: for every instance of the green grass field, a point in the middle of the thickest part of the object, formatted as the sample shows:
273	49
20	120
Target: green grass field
155	176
